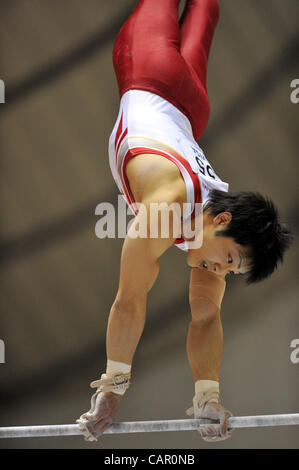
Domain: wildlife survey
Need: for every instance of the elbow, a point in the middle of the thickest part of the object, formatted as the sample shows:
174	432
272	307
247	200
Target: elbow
204	312
125	305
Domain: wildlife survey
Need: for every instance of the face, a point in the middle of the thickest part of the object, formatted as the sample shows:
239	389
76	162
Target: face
218	254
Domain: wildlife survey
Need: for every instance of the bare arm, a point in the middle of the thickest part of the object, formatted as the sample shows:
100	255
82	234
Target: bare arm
204	348
204	341
138	271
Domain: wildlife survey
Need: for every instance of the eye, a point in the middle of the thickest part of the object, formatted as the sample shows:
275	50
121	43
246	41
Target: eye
230	260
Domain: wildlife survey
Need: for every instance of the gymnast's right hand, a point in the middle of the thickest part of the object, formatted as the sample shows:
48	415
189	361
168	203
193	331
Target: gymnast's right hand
104	406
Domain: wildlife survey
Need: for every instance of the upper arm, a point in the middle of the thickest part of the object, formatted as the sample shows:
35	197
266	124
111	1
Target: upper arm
140	262
138	269
206	288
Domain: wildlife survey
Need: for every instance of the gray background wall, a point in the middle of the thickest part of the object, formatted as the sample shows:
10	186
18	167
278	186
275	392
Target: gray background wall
58	280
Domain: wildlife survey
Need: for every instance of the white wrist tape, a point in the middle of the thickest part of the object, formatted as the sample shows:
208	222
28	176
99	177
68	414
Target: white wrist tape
206	391
204	386
114	367
116	379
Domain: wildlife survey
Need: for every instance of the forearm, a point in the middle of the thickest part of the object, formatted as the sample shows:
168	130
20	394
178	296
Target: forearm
125	327
204	348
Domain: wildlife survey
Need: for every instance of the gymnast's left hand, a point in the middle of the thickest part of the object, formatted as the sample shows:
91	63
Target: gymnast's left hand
104	406
215	432
213	411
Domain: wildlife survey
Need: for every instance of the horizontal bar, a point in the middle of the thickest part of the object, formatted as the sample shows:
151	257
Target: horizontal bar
150	426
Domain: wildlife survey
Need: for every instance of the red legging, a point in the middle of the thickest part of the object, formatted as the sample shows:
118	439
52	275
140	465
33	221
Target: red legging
153	51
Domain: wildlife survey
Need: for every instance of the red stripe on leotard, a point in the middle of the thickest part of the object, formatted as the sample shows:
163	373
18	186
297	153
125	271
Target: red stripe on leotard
119	130
121	139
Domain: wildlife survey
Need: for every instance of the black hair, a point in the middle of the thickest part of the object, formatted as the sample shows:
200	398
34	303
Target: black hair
255	226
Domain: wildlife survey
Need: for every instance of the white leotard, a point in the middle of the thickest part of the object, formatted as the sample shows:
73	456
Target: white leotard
147	123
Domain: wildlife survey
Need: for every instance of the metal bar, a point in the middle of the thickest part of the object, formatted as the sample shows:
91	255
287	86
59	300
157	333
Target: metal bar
150	426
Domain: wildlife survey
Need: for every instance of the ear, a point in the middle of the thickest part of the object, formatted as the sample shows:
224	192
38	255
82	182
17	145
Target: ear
223	218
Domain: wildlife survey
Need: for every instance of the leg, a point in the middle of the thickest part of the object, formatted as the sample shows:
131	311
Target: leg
146	51
146	56
197	24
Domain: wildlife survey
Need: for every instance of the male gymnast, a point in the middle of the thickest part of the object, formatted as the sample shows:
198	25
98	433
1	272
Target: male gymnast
161	67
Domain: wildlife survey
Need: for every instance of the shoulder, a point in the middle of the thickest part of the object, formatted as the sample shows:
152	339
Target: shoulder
153	176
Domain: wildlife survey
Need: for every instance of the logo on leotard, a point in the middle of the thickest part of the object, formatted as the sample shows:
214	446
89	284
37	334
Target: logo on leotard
203	165
198	153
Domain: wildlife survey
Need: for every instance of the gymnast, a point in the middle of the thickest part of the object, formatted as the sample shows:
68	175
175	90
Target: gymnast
161	69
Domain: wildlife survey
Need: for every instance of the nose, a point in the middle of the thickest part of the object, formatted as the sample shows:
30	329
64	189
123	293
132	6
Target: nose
219	268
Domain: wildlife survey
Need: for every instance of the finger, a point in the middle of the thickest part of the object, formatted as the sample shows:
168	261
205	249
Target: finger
82	417
95	431
81	423
213	438
90	430
208	430
88	416
224	423
206	433
108	423
84	430
218	437
88	435
94	416
208	437
91	411
101	426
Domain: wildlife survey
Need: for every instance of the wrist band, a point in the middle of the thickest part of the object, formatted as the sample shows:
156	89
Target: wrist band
117	384
116	379
203	386
206	391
